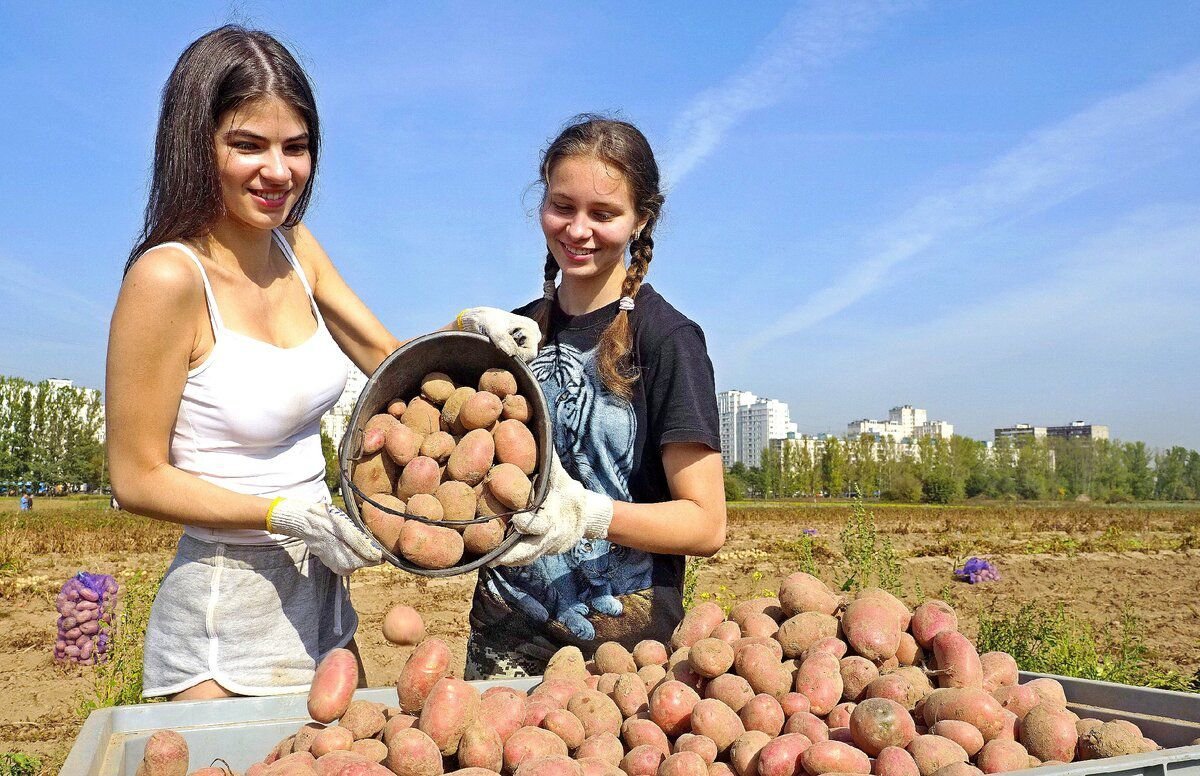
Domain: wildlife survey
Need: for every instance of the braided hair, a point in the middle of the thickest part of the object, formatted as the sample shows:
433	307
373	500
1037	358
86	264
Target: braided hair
622	146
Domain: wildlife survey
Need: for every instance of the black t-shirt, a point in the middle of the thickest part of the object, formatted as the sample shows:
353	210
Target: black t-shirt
602	591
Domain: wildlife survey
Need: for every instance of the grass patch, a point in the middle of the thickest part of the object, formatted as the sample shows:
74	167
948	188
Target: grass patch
19	764
1049	640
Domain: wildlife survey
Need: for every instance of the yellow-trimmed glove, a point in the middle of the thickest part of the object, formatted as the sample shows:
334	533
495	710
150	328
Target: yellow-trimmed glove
515	335
328	531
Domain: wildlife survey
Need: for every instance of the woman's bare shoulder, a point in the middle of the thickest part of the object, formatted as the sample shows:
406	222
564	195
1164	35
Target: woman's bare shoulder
166	275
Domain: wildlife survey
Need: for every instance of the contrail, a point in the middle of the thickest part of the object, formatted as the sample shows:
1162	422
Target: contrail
808	39
1137	127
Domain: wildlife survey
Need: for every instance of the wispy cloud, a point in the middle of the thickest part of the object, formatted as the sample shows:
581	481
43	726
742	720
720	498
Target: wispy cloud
1106	141
807	40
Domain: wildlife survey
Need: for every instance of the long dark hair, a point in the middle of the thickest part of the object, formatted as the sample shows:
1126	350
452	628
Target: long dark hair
622	146
222	70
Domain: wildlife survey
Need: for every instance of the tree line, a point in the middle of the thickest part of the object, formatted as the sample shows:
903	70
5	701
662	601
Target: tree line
945	470
49	433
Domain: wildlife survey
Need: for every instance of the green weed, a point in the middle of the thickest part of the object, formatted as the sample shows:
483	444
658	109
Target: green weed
691	575
118	680
872	559
1052	641
19	764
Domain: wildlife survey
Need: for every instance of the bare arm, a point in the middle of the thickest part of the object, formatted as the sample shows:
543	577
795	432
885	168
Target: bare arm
153	334
693	523
360	335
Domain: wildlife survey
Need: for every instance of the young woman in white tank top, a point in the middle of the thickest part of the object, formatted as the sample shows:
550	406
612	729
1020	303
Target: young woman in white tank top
228	343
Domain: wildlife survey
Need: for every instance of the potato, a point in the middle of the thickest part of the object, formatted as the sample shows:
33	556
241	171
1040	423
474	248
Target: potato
509	485
566	726
762	712
401	443
697	624
384	525
652	675
452	407
303	739
630	695
743	752
730	689
331	739
421	475
529	742
363	719
473	772
426	506
857	672
934	752
710	657
597	712
1113	739
499	382
422	417
472	458
550	765
801	592
908	653
999	670
166	754
831	644
964	734
375	473
671	706
798	633
759	666
970	705
840	716
402	625
536	710
412	753
958	769
782	756
643	732
1048	733
1018	699
683	764
594	766
602	746
480	411
759	624
427	664
431	546
714	720
458	501
372	749
819	679
649	652
375	432
642	760
503	710
333	685
611	657
1002	756
894	761
1050	690
930	619
567	663
436	388
903	615
395	723
515	444
871	629
878	723
692	742
514	407
438	446
957	661
897	687
396	407
794	703
482	538
728	631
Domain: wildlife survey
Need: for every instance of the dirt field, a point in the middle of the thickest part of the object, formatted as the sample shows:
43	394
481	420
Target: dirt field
1099	561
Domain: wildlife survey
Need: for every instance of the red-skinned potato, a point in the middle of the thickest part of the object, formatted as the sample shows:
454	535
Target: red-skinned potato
782	756
613	658
166	754
431	546
566	726
871	629
801	592
1002	756
1048	733
894	761
630	695
649	652
711	657
481	747
597	712
930	619
384	526
857	672
932	753
375	432
402	625
602	746
964	734
730	689
809	725
671	706
528	742
697	624
643	732
363	719
743	753
333	686
422	417
412	753
714	720
642	760
819	679
701	745
957	661
801	631
549	765
683	764
428	663
515	444
450	708
502	711
878	723
763	712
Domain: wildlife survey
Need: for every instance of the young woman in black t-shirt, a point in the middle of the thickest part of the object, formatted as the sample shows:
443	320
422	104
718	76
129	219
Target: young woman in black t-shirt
632	399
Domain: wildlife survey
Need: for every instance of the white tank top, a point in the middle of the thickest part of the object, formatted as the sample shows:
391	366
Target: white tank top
249	418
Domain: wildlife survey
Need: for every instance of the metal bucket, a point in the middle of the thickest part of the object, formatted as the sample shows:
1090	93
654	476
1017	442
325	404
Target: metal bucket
463	357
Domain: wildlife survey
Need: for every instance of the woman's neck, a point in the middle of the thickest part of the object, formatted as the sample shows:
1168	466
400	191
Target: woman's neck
235	246
577	296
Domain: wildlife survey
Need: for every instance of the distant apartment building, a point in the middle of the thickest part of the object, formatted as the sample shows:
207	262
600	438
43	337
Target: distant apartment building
54	384
1076	430
904	423
747	425
335	422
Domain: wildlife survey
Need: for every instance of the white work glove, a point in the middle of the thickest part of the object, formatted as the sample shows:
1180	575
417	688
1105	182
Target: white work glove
328	531
570	512
515	335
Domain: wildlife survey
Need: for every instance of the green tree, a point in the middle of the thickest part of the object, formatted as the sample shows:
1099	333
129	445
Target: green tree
734	490
1033	473
1170	470
1141	475
833	466
332	466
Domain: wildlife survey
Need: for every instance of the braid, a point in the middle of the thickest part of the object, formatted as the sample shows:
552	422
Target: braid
617	369
541	314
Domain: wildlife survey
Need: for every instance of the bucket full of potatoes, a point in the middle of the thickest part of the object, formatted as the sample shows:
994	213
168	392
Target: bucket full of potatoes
449	439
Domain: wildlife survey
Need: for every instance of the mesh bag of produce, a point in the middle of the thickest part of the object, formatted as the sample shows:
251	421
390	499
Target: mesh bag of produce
85	612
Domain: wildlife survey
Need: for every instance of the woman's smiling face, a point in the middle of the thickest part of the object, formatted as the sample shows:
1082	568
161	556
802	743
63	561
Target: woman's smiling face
588	217
263	161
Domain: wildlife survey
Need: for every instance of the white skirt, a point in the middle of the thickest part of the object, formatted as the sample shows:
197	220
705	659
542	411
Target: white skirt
254	618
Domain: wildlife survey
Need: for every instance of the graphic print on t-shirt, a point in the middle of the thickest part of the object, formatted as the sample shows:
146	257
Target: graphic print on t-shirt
594	434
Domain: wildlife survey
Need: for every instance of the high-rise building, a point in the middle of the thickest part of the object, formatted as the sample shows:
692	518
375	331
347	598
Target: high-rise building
748	423
1076	430
335	422
904	423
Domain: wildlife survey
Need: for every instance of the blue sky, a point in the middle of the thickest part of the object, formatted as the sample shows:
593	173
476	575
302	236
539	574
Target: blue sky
989	210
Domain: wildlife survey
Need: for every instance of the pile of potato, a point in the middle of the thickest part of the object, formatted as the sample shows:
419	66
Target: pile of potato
451	454
85	604
805	684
